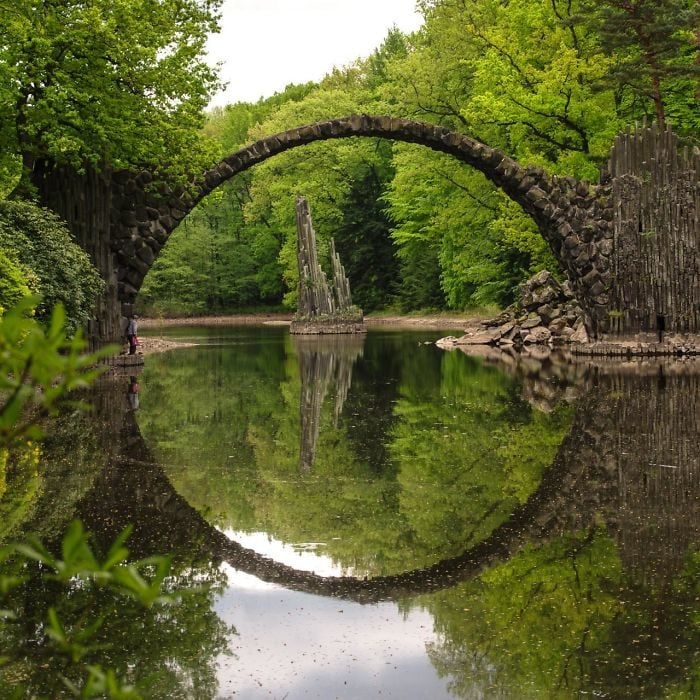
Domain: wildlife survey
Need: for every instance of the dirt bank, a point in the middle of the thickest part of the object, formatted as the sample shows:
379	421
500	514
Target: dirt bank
437	321
234	320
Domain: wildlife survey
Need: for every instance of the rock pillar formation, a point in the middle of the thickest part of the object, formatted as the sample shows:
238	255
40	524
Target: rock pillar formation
320	309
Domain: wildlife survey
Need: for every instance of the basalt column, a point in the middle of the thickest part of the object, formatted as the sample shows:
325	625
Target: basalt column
656	247
84	201
320	308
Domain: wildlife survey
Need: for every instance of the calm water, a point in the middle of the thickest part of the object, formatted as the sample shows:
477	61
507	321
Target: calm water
372	517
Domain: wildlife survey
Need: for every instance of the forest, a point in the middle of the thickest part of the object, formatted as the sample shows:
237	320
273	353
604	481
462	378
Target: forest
550	83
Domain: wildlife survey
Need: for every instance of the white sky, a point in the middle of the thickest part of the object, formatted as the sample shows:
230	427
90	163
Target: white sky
266	44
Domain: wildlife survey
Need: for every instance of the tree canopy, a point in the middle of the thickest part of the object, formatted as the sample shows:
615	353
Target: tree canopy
110	82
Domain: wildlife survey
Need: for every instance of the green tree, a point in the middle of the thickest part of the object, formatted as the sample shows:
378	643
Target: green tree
110	83
654	49
325	173
218	259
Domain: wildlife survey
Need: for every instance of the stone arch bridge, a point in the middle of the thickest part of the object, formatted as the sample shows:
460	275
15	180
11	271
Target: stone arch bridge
123	219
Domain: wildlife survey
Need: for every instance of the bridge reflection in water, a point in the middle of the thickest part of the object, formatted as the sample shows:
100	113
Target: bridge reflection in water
595	569
629	462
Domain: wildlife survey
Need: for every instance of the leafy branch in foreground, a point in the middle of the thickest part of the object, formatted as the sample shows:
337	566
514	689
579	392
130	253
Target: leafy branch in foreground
74	640
40	367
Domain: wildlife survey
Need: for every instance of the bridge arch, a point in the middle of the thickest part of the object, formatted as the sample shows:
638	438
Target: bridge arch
573	217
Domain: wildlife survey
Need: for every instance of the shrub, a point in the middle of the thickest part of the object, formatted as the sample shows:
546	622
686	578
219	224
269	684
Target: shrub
38	243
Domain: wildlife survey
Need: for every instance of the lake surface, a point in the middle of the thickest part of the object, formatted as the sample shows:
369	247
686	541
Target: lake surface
373	517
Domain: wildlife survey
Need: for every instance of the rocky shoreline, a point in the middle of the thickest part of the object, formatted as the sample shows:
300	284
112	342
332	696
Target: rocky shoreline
548	315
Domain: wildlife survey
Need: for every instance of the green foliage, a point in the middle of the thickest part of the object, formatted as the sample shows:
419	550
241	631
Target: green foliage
120	83
528	618
653	46
70	643
13	282
20	484
40	368
363	239
219	260
55	267
64	617
551	82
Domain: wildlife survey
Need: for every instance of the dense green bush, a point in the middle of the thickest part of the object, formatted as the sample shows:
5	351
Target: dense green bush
38	244
13	282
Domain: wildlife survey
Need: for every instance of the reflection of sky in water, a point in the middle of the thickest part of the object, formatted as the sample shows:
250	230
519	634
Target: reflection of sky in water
299	555
297	645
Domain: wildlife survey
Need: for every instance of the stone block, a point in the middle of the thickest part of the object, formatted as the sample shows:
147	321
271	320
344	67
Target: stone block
127	249
144	178
235	162
486	337
572	242
128	218
167	222
120	232
532	321
133	277
566	332
535	194
121	177
538	334
146	255
557	325
546	313
141	214
152	243
580	335
582	258
544	295
158	232
564	230
142	267
606	247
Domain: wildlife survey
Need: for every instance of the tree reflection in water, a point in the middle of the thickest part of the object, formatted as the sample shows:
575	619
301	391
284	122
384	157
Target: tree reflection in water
588	582
610	604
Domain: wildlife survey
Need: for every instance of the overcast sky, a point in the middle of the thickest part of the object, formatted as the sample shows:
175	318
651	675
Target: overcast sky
266	44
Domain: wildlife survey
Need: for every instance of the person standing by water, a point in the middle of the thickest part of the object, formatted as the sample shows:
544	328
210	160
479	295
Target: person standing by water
131	334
